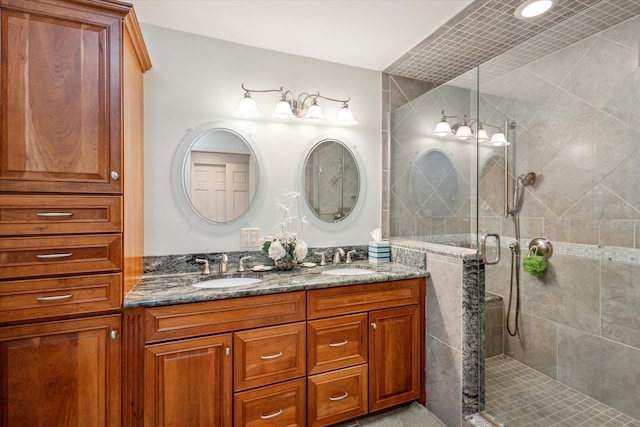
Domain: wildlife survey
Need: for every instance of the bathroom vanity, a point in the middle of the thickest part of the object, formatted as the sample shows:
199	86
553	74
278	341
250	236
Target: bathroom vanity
299	348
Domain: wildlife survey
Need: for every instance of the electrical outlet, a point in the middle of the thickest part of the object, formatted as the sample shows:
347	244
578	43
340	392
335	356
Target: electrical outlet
249	237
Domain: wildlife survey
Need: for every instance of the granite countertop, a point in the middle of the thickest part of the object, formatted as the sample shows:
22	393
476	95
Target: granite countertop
169	289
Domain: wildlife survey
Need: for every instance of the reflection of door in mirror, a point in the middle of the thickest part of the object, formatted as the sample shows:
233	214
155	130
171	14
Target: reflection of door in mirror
220	184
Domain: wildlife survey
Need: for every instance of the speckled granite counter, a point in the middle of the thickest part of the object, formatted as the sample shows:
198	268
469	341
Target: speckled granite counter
167	289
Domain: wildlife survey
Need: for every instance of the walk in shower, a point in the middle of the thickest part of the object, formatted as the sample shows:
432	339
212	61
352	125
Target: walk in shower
568	102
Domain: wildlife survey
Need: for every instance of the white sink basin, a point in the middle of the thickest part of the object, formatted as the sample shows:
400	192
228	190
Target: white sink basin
227	282
347	271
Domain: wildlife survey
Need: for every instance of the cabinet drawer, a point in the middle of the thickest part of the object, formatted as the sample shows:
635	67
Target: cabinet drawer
280	405
29	215
353	299
336	343
49	256
30	299
189	320
337	396
268	355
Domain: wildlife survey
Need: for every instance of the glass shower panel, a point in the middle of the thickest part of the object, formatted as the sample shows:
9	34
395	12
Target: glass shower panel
433	179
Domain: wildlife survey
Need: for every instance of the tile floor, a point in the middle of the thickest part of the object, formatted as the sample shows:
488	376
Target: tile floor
410	415
518	396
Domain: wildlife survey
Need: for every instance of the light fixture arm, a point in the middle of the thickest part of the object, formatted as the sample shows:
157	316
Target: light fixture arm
297	106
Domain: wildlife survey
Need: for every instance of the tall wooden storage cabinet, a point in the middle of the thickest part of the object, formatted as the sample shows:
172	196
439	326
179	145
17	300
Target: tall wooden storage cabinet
70	206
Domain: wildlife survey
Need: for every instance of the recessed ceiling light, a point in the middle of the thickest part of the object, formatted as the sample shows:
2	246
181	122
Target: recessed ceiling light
532	8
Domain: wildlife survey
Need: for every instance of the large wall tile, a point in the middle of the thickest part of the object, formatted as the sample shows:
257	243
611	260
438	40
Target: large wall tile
567	293
444	301
600	368
536	345
444	382
604	58
620	284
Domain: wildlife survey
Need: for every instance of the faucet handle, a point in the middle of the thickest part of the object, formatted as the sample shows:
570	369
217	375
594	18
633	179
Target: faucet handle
323	260
205	267
241	263
349	253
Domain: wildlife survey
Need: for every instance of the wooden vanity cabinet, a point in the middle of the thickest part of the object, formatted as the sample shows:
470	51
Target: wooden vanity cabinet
389	317
71	123
306	358
201	357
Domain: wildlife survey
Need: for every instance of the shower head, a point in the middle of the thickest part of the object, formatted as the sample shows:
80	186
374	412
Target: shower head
524	180
527	179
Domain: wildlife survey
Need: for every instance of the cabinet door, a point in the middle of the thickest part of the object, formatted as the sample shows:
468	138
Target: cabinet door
188	383
60	119
61	374
394	356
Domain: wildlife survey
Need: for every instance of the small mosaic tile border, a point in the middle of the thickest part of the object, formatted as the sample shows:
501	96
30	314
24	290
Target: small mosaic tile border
458	245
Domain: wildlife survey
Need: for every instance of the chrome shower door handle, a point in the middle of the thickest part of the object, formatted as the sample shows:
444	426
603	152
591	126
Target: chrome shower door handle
483	248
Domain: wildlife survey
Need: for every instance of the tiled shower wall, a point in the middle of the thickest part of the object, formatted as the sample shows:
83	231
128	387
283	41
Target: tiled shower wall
578	127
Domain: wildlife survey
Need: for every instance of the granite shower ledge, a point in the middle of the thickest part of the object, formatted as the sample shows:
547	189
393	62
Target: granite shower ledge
171	289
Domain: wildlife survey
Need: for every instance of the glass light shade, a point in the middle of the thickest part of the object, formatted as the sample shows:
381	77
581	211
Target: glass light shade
533	8
483	136
498	140
442	128
314	113
464	131
283	111
247	108
345	116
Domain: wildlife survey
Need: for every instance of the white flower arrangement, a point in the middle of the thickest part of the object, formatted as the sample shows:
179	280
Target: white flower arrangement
286	245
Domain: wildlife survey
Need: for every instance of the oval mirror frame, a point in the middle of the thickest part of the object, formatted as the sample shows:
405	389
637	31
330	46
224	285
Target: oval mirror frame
181	188
307	210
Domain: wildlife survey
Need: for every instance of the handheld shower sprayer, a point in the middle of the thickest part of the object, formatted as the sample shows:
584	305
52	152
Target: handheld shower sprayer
524	180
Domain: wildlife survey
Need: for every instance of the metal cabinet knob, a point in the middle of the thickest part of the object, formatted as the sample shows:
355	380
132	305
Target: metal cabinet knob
374	325
114	175
113	334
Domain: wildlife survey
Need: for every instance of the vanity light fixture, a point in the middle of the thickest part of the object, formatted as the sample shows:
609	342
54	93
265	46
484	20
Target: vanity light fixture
463	131
534	8
498	139
289	107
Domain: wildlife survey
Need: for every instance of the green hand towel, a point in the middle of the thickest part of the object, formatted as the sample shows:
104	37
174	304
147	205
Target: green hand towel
534	264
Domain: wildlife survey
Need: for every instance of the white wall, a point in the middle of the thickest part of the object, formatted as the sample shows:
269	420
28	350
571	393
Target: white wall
195	79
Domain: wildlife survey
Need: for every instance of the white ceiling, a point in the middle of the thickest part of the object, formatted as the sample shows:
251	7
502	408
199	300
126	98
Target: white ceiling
369	34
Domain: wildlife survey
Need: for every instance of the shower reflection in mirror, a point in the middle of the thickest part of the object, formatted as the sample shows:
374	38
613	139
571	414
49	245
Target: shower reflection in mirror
331	180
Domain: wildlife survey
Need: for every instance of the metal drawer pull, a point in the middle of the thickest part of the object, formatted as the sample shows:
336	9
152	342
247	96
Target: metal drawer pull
273	356
54	256
338	344
54	214
275	414
374	325
344	396
55	297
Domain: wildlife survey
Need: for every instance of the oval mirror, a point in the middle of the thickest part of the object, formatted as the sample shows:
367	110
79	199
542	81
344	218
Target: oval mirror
332	181
218	173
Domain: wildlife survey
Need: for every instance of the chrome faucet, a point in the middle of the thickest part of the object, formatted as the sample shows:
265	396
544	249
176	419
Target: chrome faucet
224	263
337	255
349	253
241	263
205	266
